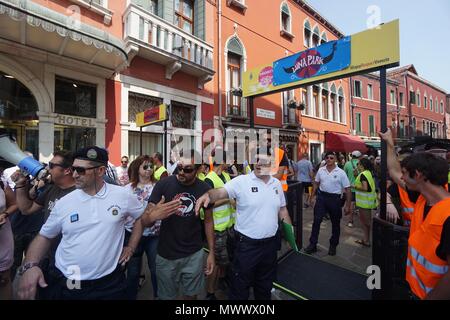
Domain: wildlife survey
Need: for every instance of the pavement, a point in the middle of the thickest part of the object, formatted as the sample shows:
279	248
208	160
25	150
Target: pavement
350	255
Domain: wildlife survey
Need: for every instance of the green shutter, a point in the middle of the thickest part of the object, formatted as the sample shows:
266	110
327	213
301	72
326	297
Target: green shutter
358	122
199	19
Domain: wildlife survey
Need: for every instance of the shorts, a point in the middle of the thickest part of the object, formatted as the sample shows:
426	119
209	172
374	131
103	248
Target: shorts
220	247
306	186
186	274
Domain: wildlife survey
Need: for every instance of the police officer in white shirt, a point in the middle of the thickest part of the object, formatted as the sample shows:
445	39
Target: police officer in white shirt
260	203
91	219
329	184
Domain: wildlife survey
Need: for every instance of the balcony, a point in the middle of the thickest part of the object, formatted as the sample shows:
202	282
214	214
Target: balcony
236	107
153	38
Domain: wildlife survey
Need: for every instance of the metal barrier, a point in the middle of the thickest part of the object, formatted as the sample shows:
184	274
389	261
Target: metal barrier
294	199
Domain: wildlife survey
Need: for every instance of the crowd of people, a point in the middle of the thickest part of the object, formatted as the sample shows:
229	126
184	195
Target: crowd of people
81	233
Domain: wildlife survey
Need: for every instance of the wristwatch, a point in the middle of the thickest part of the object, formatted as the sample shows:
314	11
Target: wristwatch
26	267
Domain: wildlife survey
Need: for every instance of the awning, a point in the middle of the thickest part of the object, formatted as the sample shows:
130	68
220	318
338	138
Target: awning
30	24
339	142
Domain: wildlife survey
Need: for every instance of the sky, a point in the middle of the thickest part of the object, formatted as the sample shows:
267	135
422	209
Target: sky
424	30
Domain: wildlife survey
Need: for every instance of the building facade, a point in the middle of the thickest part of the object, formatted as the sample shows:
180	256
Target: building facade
415	106
253	33
55	58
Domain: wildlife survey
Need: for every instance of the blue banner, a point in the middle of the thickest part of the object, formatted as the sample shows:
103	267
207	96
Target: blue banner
326	58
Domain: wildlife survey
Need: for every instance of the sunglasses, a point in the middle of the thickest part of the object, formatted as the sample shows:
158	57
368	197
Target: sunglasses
124	161
82	170
52	165
185	170
147	167
330	157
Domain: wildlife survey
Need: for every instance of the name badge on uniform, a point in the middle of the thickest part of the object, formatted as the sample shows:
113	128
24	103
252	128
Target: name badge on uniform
254	189
74	217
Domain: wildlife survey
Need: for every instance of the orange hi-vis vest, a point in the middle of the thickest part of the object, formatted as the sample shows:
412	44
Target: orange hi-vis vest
424	268
279	154
407	206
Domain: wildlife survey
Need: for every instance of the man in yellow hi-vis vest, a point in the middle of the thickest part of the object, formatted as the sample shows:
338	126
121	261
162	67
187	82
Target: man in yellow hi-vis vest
160	170
223	215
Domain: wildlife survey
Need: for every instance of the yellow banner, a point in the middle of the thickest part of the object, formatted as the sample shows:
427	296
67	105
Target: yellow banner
370	49
151	115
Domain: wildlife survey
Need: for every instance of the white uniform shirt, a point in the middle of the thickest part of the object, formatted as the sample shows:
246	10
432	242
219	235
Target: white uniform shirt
7	173
332	182
92	230
258	205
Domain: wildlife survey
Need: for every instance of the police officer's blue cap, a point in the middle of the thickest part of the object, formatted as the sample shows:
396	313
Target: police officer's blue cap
92	153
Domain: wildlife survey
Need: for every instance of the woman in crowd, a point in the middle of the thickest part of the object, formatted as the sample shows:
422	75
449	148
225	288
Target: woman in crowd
141	184
7	207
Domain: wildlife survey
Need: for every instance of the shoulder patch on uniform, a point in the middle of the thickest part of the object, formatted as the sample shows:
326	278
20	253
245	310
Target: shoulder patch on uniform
74	217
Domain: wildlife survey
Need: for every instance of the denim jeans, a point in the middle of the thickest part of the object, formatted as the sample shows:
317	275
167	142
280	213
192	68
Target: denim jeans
148	245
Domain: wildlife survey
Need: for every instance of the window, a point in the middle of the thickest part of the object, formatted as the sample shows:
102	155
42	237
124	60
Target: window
75	98
184	15
402	128
324	38
393	97
425	102
234	80
369	92
315	153
316	106
315	37
412	97
431	103
285	18
358	89
287	95
418	98
414	124
401	99
139	103
183	115
442	107
358	125
149	5
307	34
371	125
424	127
436	105
304	97
73	138
325	101
341	109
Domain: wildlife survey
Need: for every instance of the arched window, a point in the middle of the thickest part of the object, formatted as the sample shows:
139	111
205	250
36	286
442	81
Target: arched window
431	103
418	98
316	37
323	38
307	34
442	107
333	101
325	101
285	18
235	66
436	105
425	101
341	107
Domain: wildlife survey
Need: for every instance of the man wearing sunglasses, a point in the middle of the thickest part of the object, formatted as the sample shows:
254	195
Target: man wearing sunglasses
330	182
91	220
180	258
260	205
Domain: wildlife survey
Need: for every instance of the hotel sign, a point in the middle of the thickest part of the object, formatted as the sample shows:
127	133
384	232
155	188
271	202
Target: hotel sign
66	120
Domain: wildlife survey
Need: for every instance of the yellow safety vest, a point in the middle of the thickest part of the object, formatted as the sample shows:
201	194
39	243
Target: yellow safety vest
248	169
233	210
223	214
201	176
159	172
366	200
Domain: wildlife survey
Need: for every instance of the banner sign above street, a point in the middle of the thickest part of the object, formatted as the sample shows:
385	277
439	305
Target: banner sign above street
369	50
330	57
151	116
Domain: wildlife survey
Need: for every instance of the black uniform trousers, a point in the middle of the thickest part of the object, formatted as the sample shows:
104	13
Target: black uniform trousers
327	203
254	265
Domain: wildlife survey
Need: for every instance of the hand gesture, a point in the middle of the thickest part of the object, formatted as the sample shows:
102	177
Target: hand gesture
29	282
163	210
391	213
3	217
202	202
387	136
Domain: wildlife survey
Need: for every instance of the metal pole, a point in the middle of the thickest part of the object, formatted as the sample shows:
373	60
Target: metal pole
383	116
165	144
250	110
140	141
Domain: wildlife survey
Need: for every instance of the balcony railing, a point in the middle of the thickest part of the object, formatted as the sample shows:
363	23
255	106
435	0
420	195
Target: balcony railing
165	43
236	106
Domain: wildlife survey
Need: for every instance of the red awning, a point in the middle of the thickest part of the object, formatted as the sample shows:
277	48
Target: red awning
339	142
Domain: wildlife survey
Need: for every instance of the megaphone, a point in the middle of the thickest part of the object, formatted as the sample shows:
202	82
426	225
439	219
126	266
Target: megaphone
11	152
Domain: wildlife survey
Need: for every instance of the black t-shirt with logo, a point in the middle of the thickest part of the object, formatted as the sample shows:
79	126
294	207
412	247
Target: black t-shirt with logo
48	198
181	233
